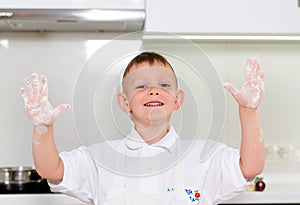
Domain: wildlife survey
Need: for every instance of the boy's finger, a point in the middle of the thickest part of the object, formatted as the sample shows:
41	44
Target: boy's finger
36	84
24	95
29	87
248	70
260	75
44	87
233	90
59	109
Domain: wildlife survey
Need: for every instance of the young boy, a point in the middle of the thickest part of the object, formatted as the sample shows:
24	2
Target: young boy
150	95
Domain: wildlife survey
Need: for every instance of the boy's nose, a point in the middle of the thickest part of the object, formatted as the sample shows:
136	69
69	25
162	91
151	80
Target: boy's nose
153	91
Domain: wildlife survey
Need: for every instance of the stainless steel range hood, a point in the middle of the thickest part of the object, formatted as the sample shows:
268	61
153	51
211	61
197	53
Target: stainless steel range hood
71	20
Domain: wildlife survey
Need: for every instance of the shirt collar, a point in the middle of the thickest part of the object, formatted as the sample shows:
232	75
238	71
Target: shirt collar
135	141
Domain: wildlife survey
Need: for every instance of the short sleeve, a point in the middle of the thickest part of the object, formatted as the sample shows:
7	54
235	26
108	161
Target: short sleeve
80	175
232	181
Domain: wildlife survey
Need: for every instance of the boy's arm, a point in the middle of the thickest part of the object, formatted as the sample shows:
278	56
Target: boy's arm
252	151
249	96
46	158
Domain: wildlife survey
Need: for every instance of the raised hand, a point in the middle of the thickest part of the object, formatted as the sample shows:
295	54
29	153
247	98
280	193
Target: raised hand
37	106
251	92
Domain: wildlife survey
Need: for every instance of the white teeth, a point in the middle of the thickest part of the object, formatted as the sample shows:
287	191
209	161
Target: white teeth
153	104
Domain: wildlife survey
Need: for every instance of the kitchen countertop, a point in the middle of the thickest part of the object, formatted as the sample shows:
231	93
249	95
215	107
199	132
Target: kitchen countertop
266	198
284	197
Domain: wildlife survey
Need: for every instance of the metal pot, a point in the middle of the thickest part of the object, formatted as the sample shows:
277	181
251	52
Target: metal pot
12	175
21	180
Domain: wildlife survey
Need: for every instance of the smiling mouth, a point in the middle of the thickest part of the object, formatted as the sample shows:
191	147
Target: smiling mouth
153	104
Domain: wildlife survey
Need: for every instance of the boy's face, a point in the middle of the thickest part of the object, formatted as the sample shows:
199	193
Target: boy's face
150	94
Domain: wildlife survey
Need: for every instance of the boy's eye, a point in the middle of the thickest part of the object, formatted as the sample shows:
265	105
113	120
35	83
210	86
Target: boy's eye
141	87
164	85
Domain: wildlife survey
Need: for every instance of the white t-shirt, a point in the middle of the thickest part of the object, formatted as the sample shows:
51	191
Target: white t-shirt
90	172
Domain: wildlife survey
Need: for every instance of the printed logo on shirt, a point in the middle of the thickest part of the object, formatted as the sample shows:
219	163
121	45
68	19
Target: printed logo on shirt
193	195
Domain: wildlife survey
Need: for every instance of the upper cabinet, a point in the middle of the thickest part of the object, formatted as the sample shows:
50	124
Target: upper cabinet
67	4
223	17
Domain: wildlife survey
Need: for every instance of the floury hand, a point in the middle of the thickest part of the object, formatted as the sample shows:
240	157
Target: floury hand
37	106
252	90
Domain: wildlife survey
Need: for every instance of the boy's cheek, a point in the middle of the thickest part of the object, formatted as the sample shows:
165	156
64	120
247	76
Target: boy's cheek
135	98
171	93
131	96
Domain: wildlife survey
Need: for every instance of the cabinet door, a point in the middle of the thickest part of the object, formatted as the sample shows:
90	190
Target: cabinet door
216	16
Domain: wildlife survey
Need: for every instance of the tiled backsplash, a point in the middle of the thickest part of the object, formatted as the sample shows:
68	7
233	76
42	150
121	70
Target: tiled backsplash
281	152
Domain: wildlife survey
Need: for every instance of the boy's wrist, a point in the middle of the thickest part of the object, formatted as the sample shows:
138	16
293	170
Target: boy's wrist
247	109
42	129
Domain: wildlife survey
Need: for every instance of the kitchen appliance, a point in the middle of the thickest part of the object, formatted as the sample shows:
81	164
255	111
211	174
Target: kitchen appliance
111	20
15	180
79	16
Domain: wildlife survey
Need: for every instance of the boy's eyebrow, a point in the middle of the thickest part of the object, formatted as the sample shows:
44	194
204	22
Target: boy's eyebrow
138	81
144	75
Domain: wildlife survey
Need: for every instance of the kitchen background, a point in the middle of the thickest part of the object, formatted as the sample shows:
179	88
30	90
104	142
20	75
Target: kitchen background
240	32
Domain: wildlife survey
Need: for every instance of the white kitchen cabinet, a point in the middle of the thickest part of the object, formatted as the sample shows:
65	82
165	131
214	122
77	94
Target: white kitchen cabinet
101	4
223	17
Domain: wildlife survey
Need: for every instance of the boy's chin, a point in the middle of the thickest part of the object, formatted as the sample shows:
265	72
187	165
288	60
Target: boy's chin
157	115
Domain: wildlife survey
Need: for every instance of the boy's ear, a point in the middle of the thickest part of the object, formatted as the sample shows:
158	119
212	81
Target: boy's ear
123	102
179	99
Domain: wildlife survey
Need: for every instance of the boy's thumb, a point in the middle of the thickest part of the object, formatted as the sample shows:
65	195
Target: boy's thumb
230	88
59	109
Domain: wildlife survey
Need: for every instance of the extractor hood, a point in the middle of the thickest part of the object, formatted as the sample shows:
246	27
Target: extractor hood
112	20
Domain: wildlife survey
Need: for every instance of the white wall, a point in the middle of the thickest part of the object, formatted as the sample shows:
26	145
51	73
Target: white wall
63	56
280	112
59	58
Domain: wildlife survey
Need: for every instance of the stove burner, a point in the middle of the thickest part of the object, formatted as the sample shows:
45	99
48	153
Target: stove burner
40	186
